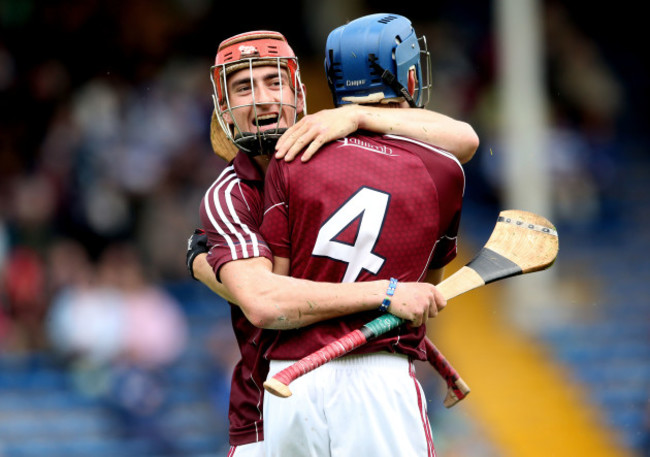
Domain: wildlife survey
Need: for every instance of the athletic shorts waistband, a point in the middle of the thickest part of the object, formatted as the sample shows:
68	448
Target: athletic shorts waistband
384	360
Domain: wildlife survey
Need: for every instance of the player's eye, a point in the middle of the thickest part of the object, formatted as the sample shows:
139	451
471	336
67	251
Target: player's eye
242	89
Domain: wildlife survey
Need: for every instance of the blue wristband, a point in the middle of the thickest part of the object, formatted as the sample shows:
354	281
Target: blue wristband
391	290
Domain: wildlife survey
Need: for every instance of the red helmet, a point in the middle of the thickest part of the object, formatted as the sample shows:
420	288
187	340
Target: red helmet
247	50
261	47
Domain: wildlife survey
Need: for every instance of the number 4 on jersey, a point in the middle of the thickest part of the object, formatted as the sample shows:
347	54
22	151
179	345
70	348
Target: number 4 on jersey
369	206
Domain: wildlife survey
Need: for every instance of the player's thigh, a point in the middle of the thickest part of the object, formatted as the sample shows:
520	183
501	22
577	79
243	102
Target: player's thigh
248	450
296	426
380	412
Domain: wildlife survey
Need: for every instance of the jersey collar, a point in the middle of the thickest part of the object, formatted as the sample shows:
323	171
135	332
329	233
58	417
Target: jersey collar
246	169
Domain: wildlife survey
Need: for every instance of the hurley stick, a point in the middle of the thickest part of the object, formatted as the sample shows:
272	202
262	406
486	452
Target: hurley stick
221	145
521	243
457	389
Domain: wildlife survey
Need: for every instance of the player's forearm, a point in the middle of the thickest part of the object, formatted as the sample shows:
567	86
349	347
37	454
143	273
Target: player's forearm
434	128
325	300
280	302
291	303
204	273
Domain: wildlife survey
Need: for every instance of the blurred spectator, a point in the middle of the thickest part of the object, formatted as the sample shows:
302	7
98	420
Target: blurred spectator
86	320
31	209
155	336
29	205
24	291
155	331
68	266
87	323
120	333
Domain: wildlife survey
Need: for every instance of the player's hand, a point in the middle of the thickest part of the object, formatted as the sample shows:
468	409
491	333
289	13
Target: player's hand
416	302
314	130
197	244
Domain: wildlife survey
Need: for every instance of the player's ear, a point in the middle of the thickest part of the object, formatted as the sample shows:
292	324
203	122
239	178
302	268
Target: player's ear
226	115
302	96
412	81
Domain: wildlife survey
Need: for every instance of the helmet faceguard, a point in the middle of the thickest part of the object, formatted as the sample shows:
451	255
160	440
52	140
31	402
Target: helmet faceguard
378	58
247	51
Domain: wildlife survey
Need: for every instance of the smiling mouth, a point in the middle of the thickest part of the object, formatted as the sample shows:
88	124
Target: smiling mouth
267	119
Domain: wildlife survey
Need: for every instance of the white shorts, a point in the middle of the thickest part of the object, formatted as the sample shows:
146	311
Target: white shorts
359	405
247	450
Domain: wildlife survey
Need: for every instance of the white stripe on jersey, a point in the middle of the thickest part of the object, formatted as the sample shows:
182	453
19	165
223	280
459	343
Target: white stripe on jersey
426	266
274	206
228	175
229	178
434	149
233	214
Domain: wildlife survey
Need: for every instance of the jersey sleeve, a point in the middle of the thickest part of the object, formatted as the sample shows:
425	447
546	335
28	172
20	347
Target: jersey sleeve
449	177
275	226
231	216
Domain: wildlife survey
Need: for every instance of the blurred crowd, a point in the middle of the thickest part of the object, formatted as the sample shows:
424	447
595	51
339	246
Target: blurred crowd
105	154
93	156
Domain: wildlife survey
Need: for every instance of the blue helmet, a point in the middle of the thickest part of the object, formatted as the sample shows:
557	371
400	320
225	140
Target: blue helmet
377	58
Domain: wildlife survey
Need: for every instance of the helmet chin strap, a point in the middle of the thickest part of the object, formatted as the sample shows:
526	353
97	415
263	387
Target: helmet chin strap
255	144
391	81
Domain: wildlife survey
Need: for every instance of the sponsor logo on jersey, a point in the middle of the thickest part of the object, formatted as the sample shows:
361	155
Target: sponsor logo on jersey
356	142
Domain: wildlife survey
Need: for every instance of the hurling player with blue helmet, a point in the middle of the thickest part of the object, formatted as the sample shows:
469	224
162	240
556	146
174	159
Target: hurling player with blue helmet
369	206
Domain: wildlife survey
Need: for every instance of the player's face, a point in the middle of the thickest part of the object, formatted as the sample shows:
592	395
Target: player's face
262	98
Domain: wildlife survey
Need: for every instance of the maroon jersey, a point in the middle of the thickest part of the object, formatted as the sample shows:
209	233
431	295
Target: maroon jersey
231	214
365	207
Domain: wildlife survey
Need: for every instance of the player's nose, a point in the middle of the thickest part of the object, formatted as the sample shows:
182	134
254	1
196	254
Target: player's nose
265	95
